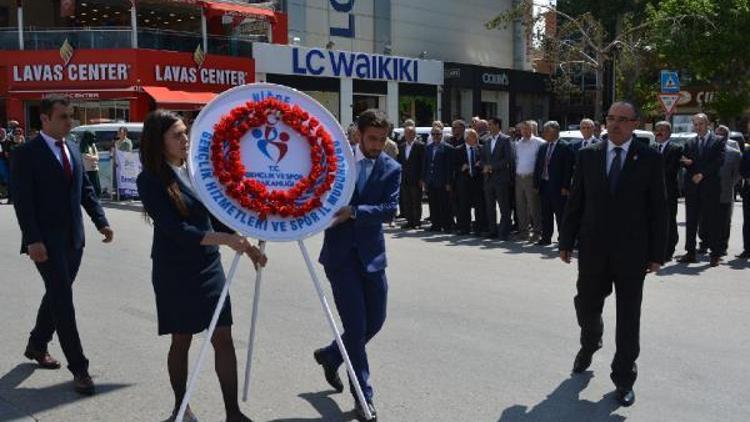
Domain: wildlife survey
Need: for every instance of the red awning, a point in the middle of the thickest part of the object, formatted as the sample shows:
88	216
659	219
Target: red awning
222	8
175	99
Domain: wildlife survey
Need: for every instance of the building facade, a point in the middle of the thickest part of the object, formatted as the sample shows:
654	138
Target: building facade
117	60
447	32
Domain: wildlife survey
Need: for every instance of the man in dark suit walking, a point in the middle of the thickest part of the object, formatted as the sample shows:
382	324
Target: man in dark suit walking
586	127
552	175
437	177
468	185
49	188
703	157
411	158
353	255
497	167
617	211
671	153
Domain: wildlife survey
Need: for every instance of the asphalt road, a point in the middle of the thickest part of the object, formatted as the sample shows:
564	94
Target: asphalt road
477	331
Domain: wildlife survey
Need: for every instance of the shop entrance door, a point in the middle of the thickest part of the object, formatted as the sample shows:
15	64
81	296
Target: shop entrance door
364	101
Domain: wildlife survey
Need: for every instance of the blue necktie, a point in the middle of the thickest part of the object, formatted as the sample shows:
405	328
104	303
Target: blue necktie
614	170
471	161
362	177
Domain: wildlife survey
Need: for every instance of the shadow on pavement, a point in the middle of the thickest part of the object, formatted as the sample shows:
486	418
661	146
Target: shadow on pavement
329	410
36	400
564	405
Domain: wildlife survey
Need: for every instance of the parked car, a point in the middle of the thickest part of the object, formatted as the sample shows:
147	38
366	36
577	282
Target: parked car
423	132
572	136
106	132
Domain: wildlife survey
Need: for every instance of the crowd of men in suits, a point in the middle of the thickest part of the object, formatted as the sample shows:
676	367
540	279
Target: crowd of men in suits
479	170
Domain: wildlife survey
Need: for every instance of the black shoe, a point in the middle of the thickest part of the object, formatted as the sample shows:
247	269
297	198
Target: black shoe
688	258
331	374
744	255
361	412
715	261
543	242
489	235
626	396
407	226
461	232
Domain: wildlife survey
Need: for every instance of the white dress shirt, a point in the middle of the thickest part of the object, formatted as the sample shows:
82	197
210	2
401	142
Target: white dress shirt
611	153
586	142
526	150
662	146
52	144
182	174
359	156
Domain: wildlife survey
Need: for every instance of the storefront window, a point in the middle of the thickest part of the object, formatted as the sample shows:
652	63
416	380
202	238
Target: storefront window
329	100
88	113
419	108
363	102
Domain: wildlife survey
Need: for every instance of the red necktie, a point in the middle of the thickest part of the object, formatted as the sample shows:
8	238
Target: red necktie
65	161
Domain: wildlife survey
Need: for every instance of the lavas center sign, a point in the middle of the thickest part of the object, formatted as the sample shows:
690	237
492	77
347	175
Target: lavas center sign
92	69
274	154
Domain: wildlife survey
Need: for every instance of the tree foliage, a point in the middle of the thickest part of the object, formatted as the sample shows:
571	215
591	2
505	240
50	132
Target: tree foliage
711	47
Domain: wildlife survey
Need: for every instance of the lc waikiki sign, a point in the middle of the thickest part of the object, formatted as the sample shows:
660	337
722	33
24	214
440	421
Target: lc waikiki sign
294	60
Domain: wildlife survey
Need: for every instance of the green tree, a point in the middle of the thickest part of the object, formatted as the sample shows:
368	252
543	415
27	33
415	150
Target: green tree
710	46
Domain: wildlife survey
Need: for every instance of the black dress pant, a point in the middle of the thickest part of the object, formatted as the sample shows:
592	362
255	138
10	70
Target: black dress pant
746	218
725	224
470	194
701	210
672	235
589	302
441	215
411	198
497	194
553	208
56	312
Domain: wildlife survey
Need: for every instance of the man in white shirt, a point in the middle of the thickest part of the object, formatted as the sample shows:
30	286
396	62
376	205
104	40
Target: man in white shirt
528	212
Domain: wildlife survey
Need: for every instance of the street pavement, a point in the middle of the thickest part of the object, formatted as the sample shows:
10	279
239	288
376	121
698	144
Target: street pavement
477	330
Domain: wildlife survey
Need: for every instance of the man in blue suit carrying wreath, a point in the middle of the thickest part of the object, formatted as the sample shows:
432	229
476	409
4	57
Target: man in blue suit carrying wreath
353	254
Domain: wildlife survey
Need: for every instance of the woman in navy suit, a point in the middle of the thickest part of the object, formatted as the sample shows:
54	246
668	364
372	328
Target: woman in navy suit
187	274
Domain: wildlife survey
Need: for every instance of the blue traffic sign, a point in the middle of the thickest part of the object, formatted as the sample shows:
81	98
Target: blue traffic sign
670	82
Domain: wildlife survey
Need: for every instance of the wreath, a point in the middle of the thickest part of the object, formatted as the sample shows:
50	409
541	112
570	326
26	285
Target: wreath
306	195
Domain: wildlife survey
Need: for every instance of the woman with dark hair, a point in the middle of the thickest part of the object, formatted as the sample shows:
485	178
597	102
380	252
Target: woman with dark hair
187	274
90	156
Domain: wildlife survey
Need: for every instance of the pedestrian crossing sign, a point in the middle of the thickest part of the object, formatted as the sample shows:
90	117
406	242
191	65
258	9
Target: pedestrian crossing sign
670	82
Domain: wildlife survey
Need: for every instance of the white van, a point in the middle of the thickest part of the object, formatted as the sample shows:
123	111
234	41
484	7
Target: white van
106	132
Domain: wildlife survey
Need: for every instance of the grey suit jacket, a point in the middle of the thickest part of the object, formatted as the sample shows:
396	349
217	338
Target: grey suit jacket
501	159
729	174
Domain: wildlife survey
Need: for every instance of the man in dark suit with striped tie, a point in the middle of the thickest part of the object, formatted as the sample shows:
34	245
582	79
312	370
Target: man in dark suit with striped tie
49	188
671	153
616	210
704	156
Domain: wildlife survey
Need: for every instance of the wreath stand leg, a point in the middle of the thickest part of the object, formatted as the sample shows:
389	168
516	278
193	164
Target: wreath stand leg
336	333
207	340
251	339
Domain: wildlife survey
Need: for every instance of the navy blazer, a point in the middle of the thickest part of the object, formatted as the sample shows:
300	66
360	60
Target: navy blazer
708	162
177	238
560	167
623	231
363	235
438	165
47	206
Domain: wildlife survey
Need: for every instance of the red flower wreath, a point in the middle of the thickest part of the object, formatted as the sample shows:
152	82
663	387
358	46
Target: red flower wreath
252	194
